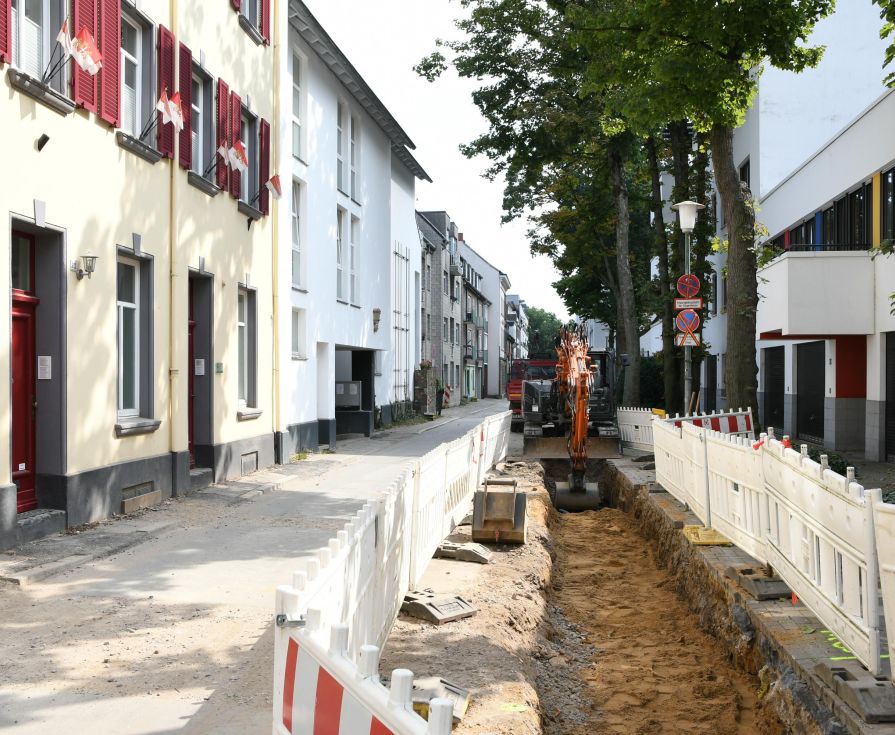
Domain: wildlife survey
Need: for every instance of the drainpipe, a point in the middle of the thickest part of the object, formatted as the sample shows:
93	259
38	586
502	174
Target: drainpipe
173	372
275	225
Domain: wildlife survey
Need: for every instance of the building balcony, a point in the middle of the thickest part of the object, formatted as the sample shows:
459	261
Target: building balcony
819	292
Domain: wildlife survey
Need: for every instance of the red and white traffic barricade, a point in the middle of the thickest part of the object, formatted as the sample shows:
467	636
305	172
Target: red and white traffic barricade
320	691
737	423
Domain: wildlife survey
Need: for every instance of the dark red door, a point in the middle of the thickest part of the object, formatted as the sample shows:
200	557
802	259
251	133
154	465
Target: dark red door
191	367
24	403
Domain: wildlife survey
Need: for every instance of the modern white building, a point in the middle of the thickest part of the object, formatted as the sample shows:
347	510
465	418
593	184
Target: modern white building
818	153
348	257
517	324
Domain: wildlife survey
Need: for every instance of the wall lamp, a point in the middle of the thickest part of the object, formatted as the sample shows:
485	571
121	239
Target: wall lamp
84	266
42	141
377	316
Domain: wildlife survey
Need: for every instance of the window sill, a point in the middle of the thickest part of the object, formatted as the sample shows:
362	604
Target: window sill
356	202
41	92
248	414
252	32
299	358
248	210
135	426
355	306
138	148
203	184
301	160
342	301
299	289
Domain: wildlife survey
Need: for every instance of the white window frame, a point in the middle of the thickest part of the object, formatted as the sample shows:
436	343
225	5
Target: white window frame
251	11
245	179
340	254
242	340
299	334
354	154
47	42
138	90
296	236
197	132
353	260
135	307
340	146
298	128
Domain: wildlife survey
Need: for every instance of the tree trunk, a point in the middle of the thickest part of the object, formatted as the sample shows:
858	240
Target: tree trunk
741	367
702	235
627	309
669	362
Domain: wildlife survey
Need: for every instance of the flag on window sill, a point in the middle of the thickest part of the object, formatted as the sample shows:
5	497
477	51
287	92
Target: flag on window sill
238	158
274	187
171	110
85	52
64	40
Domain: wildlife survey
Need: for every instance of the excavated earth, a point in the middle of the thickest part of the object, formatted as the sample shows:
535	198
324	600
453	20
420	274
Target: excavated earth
578	632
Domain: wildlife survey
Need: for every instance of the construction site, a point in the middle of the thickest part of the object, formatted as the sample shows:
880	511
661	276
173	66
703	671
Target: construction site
580	569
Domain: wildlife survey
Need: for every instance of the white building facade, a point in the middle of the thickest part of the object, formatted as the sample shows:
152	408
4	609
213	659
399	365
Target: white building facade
348	272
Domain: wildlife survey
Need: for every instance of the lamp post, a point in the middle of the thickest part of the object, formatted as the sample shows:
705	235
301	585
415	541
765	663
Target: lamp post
686	212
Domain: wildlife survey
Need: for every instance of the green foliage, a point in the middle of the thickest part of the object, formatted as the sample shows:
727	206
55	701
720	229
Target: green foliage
836	463
652	387
887	13
543	330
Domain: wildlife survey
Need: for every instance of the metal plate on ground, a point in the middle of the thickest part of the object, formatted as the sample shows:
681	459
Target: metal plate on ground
429	688
702	536
470	552
872	697
758	584
437	609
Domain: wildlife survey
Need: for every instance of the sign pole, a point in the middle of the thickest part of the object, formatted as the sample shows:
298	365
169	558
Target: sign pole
688	351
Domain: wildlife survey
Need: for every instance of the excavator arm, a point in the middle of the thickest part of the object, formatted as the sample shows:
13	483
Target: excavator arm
573	374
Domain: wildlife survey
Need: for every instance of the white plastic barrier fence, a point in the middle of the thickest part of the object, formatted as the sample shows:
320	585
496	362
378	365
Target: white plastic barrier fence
635	428
814	527
361	576
884	521
738	423
320	690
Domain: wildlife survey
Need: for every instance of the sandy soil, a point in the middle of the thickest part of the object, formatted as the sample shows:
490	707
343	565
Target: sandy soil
654	670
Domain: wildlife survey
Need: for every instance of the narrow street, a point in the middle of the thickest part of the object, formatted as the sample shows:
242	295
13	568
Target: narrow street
174	635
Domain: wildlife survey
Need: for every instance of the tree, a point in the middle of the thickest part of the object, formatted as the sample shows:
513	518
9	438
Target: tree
543	330
887	13
700	61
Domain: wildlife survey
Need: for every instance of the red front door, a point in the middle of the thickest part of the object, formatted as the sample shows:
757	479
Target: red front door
191	366
24	403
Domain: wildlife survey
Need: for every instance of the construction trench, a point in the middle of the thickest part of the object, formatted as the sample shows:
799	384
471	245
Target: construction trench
604	622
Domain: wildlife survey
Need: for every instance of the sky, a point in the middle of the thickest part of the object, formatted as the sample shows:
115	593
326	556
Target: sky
384	39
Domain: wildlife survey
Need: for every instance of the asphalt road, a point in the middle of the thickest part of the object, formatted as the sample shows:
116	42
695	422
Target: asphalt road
175	635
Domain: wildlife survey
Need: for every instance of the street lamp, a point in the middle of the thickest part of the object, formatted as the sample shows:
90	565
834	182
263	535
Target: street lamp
686	212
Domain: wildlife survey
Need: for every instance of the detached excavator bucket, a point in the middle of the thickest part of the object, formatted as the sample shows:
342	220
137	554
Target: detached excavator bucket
557	447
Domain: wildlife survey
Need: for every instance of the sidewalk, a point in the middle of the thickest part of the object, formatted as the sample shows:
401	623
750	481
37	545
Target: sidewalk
162	623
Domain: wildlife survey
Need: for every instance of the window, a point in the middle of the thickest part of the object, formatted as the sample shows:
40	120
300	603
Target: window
299	340
444	331
841	218
428	277
297	106
887	219
131	86
128	337
250	10
249	179
203	122
723	293
445	283
33	38
340	144
714	294
355	131
340	254
353	261
246	338
746	173
828	226
22	275
296	234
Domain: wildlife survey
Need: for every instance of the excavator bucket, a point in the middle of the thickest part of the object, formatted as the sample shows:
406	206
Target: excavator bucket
574	499
557	447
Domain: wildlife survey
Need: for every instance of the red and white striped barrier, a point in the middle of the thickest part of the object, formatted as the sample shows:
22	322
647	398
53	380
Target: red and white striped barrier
320	691
737	423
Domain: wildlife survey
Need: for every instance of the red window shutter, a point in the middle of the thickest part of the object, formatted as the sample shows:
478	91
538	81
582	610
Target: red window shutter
264	166
235	134
186	103
110	74
84	86
223	130
265	19
165	84
5	30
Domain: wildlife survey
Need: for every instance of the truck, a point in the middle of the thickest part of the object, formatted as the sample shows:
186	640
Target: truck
539	366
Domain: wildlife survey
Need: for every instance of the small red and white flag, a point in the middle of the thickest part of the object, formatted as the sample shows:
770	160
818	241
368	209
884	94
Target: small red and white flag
223	152
85	52
171	110
239	159
64	40
274	187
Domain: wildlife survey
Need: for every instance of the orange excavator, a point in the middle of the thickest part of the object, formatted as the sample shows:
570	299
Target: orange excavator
558	421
